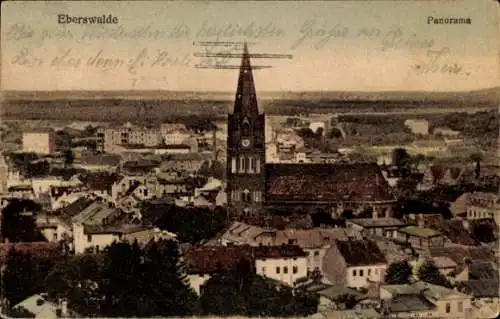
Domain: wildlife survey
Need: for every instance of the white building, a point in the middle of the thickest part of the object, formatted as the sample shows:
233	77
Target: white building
481	205
354	264
430	301
112	138
40	141
418	126
286	263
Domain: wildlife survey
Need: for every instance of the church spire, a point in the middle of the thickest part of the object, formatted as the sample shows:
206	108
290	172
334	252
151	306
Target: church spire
246	98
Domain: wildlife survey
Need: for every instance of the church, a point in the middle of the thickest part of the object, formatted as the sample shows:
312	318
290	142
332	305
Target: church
256	189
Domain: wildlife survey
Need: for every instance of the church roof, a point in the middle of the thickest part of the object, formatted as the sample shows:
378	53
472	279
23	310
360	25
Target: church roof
336	182
246	97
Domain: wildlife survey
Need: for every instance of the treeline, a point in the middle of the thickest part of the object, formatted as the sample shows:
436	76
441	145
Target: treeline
127	280
190	224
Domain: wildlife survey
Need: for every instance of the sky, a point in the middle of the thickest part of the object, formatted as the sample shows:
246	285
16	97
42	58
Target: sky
334	46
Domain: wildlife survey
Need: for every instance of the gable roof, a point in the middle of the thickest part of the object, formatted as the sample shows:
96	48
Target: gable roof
460	253
360	253
362	182
209	259
100	181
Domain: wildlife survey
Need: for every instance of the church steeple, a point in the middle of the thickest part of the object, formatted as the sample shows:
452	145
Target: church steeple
246	98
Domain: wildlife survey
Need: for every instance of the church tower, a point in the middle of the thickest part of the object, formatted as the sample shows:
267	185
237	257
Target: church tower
245	149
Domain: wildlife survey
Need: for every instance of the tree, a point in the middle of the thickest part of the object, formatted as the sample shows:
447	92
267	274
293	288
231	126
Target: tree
484	232
165	286
239	291
123	266
69	157
18	221
402	160
430	273
22	277
399	273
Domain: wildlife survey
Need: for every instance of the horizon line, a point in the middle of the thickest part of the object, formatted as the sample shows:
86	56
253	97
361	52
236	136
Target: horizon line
262	91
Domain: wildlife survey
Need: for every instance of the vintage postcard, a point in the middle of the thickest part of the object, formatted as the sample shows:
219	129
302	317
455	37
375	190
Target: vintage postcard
322	159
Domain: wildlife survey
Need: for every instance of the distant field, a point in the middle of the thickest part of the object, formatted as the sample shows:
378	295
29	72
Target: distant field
162	110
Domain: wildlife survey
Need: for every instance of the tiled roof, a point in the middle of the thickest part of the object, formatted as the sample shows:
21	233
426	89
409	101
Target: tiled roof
39	249
377	222
208	259
481	288
361	253
409	303
483	271
102	160
459	253
326	183
115	229
100	180
241	233
75	207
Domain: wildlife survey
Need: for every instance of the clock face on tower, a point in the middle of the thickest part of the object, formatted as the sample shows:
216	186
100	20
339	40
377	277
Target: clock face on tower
245	142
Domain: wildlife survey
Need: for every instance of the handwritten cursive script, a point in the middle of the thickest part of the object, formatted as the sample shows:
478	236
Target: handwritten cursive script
435	63
313	30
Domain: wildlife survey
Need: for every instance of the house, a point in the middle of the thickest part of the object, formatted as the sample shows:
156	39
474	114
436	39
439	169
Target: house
97	237
42	141
100	183
52	227
98	163
422	299
354	263
420	238
482	290
454	230
315	242
482	205
386	227
286	263
331	297
38	306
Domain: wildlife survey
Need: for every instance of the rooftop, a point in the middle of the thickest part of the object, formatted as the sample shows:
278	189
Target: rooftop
377	222
361	253
339	182
410	303
420	231
208	259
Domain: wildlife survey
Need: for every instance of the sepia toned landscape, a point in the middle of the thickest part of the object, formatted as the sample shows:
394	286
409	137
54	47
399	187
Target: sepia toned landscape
330	164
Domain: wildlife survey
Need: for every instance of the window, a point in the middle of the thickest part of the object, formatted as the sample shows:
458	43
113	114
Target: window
252	164
361	271
295	269
264	270
246	128
448	307
460	306
354	273
89	238
376	271
242	164
277	270
247	164
233	165
369	272
247	196
145	193
285	270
